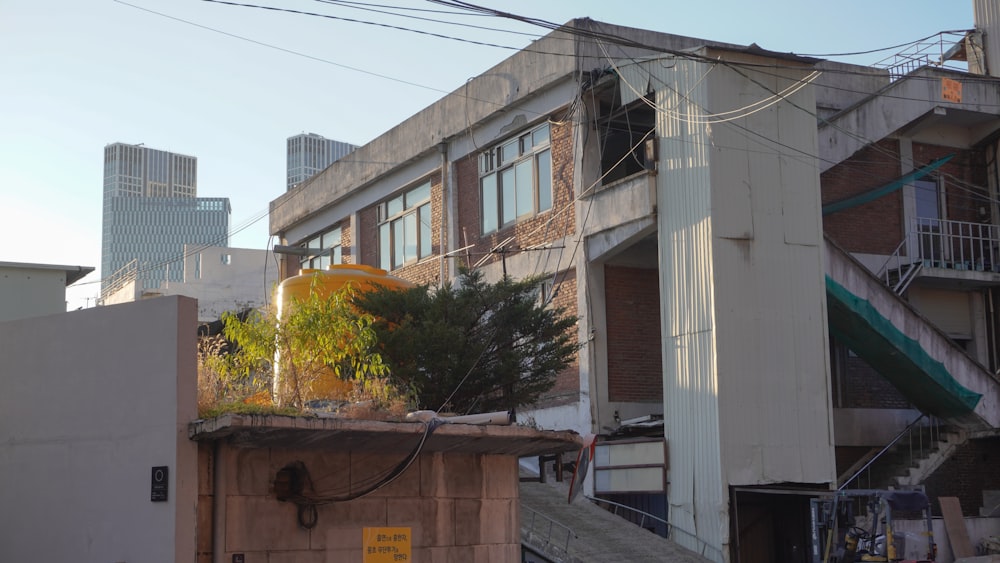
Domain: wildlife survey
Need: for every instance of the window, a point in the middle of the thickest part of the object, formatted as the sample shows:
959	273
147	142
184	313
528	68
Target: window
515	179
404	230
327	251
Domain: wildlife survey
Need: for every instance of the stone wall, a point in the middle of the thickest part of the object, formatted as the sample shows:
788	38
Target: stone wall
459	507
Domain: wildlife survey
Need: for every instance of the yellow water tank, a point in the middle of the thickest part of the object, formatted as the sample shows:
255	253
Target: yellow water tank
324	283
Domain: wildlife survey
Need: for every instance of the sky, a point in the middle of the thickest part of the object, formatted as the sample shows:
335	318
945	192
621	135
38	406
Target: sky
229	84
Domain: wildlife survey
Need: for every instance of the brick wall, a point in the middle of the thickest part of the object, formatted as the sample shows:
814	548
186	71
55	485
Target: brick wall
346	243
567	387
425	271
875	227
547	226
965	474
459	507
635	372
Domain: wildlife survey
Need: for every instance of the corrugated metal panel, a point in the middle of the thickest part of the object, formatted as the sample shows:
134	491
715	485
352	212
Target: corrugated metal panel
634	80
773	366
987	18
691	415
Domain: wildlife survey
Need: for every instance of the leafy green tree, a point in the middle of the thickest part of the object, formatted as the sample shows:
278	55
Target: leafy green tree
472	347
320	342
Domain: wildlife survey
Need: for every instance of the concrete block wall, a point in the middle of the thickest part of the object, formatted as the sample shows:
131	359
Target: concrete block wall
460	507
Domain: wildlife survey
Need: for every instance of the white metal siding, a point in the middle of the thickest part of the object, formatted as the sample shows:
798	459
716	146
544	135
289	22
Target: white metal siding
690	386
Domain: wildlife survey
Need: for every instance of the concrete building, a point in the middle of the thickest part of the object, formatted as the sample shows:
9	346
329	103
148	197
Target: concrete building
309	154
151	210
99	429
677	191
221	279
33	290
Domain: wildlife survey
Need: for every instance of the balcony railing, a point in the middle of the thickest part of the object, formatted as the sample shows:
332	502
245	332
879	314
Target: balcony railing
957	245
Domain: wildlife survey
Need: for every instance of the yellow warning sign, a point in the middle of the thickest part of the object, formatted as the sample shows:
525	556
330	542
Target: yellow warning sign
951	90
386	545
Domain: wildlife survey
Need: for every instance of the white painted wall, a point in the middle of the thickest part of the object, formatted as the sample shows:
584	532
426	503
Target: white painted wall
746	368
225	279
31	291
91	401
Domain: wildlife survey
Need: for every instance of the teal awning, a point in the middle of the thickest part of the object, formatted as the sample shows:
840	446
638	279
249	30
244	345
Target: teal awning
924	381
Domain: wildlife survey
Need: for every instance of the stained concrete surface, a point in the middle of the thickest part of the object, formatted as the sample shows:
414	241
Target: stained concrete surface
600	536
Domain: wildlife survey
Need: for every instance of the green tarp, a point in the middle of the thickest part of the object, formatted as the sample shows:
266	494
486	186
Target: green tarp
923	380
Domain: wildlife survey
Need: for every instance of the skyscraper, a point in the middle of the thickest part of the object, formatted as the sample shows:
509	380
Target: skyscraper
151	210
309	154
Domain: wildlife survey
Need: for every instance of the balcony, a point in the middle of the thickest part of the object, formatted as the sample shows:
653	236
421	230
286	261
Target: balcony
945	253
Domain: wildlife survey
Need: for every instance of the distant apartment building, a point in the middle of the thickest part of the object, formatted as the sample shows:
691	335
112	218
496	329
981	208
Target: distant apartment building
310	154
151	210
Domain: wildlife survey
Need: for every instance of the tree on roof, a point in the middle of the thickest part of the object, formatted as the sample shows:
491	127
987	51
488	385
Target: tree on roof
473	346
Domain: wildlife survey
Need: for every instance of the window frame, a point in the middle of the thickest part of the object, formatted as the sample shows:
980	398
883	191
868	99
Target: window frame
328	249
405	216
502	205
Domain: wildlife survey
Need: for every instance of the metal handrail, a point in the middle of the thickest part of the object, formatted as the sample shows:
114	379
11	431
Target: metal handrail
570	534
670	527
882	451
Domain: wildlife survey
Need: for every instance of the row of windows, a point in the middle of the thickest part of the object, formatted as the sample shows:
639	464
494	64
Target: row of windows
515	183
327	246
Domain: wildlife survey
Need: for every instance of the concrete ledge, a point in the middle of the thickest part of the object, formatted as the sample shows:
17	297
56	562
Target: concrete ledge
338	434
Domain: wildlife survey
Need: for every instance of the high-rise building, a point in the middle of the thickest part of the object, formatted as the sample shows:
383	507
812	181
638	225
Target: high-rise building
151	210
310	154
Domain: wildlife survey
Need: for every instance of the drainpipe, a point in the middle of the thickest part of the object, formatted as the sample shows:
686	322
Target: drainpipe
445	210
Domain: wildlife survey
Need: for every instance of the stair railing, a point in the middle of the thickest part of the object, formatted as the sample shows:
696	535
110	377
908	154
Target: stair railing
907	272
884	449
548	524
703	546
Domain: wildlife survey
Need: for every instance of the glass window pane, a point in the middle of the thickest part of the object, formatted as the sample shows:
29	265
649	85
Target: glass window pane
410	238
324	262
541	135
507	201
509	151
418	195
384	247
524	201
337	258
398	243
544	180
395	205
331	238
489	209
425	230
526	143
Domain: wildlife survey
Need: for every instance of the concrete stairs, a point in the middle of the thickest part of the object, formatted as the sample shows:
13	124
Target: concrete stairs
928	368
594	534
911	460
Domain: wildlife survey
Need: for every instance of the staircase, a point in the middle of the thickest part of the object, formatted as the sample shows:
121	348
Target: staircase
927	367
557	531
913	457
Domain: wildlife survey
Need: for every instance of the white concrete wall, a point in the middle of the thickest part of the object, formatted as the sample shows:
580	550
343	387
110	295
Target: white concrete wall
246	279
31	292
91	401
746	369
